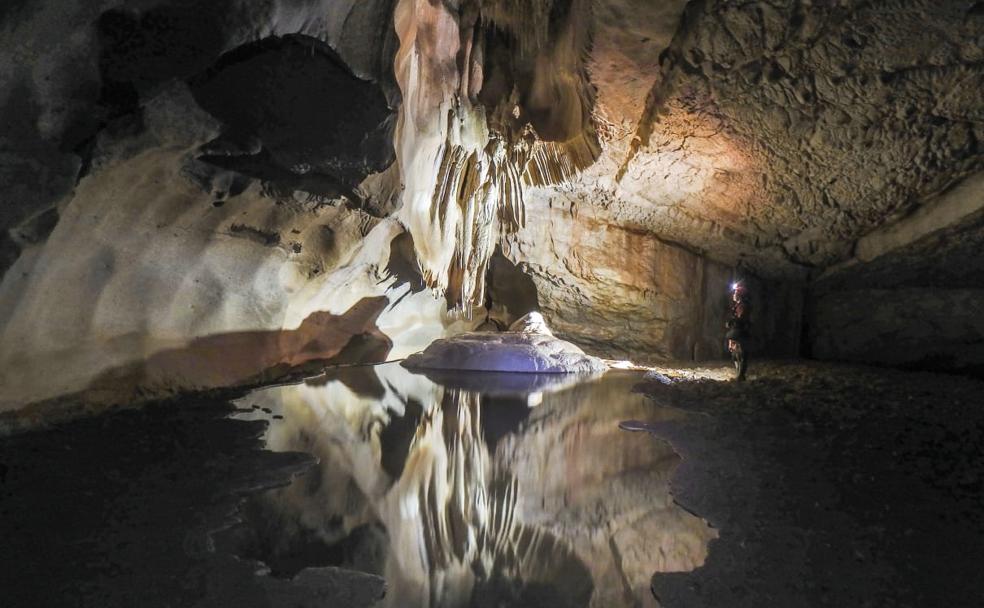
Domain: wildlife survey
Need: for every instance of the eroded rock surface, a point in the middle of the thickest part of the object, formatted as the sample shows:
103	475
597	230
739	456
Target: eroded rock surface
166	273
795	112
621	293
631	157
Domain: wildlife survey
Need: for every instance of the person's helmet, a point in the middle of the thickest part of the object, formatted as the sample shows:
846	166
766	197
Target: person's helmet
738	287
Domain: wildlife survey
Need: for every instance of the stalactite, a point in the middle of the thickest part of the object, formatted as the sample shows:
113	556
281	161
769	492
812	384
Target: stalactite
466	153
553	163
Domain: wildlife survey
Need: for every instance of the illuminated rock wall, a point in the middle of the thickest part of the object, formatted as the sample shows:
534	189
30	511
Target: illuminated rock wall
165	273
622	293
491	102
626	154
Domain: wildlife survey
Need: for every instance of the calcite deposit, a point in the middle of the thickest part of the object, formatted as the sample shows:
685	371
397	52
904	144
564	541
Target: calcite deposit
528	347
435	243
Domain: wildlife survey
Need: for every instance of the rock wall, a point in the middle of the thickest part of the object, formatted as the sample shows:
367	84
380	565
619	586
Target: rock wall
70	67
937	329
166	273
180	176
495	97
623	293
911	295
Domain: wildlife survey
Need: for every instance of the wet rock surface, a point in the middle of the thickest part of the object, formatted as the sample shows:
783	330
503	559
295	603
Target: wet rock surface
123	510
505	352
831	486
814	485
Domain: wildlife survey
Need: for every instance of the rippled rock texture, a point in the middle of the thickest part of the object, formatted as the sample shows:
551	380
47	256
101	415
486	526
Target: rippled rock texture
216	230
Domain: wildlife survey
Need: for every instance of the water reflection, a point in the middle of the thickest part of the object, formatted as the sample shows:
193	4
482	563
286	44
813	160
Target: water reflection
467	498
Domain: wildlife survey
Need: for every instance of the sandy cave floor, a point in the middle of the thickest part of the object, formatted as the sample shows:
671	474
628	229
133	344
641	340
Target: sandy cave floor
832	485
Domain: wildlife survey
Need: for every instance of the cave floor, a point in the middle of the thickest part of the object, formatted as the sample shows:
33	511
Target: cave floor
808	485
832	485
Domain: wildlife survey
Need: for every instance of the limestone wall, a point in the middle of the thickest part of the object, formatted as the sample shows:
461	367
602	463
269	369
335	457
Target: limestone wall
163	274
912	295
939	329
624	293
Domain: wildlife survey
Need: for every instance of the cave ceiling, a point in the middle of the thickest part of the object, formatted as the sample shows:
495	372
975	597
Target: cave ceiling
773	135
778	134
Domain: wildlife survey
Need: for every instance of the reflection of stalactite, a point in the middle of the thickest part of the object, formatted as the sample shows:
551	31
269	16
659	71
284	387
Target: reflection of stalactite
465	150
566	506
468	534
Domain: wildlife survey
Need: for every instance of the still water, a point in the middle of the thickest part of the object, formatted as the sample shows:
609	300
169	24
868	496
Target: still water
474	489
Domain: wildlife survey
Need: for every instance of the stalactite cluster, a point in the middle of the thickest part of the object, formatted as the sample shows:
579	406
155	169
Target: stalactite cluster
468	534
495	97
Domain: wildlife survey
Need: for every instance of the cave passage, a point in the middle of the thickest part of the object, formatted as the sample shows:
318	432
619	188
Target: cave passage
429	303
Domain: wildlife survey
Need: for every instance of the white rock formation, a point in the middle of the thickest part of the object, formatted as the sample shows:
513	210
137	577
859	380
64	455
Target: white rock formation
529	347
145	287
465	158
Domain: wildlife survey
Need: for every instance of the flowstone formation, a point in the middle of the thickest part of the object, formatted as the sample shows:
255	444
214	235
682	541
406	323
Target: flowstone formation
225	221
495	98
528	347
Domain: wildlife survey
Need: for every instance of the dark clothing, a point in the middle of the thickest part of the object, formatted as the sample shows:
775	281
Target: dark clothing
738	332
739	321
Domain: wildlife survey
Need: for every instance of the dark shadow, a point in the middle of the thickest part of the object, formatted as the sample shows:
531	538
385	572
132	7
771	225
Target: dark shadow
297	97
396	438
360	379
502	384
403	262
510	287
224	361
120	510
